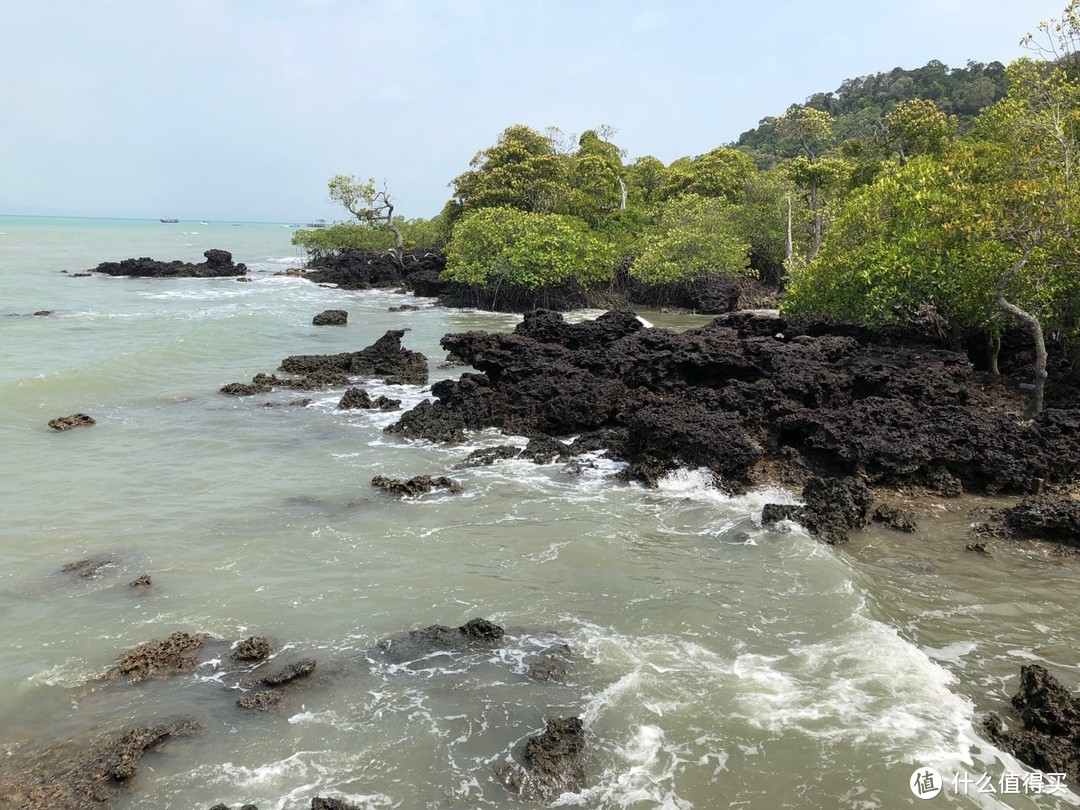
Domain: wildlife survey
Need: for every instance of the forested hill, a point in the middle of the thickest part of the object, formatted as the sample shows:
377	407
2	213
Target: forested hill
859	105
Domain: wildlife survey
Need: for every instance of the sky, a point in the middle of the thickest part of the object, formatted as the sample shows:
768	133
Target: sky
244	109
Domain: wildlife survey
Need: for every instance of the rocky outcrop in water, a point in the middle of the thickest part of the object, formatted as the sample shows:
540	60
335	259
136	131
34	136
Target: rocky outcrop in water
897	519
747	396
358	398
218	263
552	763
320	803
1053	516
89	568
86	774
415	486
331	317
385	359
73	421
1050	713
833	506
252	650
367	269
158	657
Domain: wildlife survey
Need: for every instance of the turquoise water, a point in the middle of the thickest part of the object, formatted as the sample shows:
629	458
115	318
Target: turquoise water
716	664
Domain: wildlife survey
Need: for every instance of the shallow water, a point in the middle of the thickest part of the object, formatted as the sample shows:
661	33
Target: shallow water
715	663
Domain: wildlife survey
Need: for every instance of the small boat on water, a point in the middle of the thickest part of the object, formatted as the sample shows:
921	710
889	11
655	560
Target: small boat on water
163	219
318	223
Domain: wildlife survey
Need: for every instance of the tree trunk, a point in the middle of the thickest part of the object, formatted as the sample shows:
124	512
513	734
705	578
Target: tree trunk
788	249
1035	404
994	352
816	246
622	194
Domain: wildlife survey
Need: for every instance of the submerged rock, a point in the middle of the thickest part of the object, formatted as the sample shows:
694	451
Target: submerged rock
289	673
901	520
88	568
552	763
85	773
417	644
73	421
331	317
416	486
1050	737
142	581
158	657
489	455
321	803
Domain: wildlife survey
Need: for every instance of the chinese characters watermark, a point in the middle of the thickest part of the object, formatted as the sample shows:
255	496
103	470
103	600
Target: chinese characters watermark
926	783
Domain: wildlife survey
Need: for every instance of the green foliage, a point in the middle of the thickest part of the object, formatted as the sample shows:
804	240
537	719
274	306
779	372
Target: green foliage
418	234
919	127
720	173
696	236
506	245
859	105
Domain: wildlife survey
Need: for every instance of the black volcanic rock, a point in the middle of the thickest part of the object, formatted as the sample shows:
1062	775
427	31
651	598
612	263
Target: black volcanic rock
552	763
821	400
385	359
1050	713
331	317
218	263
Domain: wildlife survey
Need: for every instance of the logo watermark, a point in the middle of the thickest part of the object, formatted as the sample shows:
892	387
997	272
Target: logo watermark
926	783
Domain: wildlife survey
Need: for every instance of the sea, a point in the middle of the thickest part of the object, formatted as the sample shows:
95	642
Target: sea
714	662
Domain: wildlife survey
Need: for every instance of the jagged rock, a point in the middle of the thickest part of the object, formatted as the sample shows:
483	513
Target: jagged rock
289	673
226	807
237	389
833	505
356	398
43	313
218	263
420	644
321	803
828	400
141	582
901	520
481	630
252	649
83	773
553	763
489	455
293	403
331	317
773	513
404	308
1052	516
416	486
158	657
73	421
978	548
543	450
385	359
1050	737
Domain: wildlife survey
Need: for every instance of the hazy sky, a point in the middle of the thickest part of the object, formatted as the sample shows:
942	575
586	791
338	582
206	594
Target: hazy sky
225	109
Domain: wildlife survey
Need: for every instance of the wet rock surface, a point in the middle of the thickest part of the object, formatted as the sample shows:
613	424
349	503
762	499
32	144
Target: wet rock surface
358	398
158	657
820	400
331	317
901	520
385	359
552	763
1053	516
73	421
1050	737
289	673
415	486
90	568
832	507
368	269
86	775
218	263
329	803
419	644
252	649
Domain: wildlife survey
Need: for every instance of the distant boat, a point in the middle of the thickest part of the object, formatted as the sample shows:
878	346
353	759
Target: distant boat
169	220
319	223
